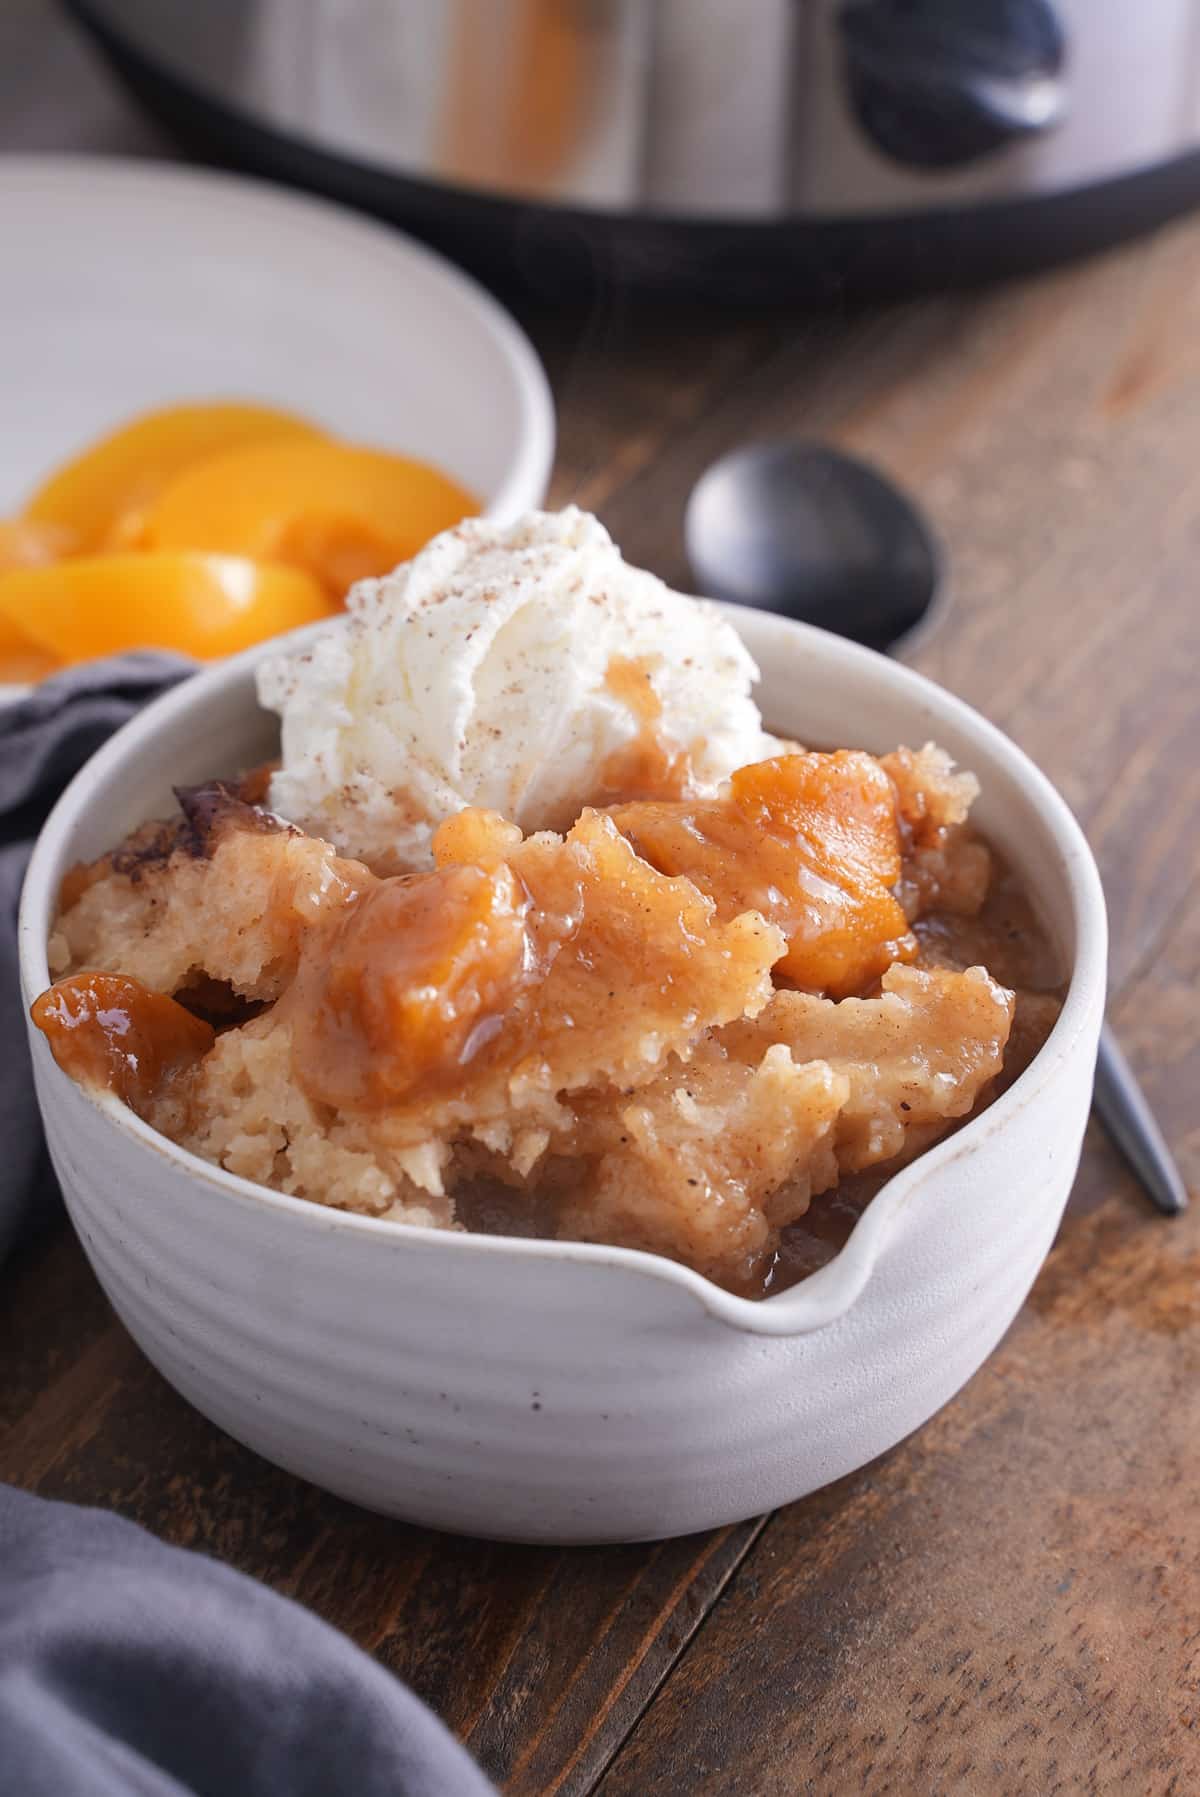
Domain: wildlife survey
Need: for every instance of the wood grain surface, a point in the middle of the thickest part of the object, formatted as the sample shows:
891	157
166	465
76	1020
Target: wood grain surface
1009	1602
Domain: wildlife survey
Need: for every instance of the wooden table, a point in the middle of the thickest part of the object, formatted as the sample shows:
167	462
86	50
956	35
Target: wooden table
1010	1601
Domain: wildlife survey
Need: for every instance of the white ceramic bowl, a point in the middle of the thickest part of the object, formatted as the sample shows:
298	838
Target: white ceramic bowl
548	1391
129	285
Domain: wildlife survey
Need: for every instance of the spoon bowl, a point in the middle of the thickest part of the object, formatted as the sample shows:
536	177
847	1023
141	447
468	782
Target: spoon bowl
804	530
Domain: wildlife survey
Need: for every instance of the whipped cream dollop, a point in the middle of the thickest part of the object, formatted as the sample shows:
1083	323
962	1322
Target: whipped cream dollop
501	667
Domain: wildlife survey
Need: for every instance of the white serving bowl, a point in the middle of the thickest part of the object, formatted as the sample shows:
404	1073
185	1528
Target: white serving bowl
556	1392
132	285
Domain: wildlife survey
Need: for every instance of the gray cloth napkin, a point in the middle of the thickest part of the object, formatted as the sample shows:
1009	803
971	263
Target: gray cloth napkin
133	1669
44	739
126	1666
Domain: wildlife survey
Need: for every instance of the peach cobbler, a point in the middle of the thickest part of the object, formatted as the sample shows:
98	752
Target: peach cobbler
534	928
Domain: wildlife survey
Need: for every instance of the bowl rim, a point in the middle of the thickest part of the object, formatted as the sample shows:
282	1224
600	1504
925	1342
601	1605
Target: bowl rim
813	1302
531	459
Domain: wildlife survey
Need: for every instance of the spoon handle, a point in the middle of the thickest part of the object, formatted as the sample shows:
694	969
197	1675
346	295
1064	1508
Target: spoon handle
1122	1108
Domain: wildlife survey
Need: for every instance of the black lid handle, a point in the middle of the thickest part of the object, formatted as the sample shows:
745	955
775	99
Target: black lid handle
938	83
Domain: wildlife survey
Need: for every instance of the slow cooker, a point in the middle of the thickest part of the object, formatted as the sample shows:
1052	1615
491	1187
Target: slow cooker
815	148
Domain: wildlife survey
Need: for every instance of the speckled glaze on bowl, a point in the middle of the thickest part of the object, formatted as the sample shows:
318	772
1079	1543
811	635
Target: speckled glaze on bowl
543	1391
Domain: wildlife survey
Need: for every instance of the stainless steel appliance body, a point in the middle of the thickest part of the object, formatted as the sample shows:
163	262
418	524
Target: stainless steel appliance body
773	145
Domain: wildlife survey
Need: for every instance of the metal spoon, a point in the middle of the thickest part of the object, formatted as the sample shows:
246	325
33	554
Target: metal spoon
802	529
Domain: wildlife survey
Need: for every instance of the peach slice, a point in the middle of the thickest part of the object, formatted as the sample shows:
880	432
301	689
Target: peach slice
201	605
24	544
99	498
108	1030
20	663
409	984
336	510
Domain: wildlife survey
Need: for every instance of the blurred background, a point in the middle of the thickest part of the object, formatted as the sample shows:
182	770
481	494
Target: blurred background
768	147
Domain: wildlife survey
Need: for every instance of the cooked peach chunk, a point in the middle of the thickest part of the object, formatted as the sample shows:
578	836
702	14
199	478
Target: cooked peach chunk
110	1030
99	498
414	979
811	842
338	512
